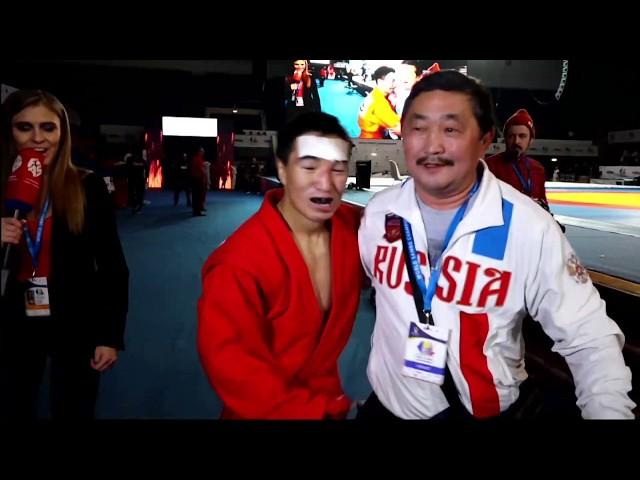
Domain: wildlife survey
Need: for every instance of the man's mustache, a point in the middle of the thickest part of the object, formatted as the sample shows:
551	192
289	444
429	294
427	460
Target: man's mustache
435	161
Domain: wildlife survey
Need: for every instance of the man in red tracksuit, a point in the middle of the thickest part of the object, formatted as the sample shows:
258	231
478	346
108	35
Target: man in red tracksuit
513	166
280	295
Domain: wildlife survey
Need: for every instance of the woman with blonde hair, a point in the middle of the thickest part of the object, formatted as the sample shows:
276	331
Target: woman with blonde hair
300	91
66	296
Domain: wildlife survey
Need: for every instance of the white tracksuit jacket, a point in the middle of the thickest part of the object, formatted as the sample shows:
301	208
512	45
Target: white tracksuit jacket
506	258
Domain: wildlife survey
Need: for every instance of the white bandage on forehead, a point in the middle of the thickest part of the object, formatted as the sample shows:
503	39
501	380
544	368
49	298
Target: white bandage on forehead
334	149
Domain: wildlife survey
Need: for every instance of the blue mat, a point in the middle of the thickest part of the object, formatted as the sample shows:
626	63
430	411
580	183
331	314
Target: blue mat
338	100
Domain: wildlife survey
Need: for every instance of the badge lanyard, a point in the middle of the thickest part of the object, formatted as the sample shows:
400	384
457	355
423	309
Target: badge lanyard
525	185
34	247
429	291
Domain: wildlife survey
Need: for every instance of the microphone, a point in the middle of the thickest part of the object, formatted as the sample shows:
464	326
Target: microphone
23	189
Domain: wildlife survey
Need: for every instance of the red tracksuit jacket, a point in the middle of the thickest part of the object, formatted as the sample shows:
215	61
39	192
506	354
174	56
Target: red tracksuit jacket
502	168
263	341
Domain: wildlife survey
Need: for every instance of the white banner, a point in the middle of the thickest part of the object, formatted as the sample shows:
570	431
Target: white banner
619	171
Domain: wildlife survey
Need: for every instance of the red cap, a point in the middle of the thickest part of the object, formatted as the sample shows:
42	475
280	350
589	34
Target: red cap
521	117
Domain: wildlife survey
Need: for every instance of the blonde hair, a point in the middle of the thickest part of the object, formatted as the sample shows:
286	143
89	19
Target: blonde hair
65	184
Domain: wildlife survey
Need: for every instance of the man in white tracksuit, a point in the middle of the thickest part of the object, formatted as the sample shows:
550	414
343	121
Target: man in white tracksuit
482	256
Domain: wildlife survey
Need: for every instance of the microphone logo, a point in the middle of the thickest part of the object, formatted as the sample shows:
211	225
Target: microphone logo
35	167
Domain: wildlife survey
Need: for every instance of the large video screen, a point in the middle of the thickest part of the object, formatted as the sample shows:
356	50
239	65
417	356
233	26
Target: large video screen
367	96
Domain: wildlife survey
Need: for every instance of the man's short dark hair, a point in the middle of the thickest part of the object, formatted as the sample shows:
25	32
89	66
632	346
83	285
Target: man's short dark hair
317	122
454	81
414	63
381	72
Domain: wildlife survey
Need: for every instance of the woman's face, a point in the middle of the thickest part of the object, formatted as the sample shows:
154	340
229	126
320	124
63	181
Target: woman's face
299	65
37	127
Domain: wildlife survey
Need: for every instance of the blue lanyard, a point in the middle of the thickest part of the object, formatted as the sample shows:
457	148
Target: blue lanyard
525	185
429	291
34	248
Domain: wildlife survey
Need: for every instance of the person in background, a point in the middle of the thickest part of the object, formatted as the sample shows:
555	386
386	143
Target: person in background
136	168
181	180
198	183
376	114
514	166
300	91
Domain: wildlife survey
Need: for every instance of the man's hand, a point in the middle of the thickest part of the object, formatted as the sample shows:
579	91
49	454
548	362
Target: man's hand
103	358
